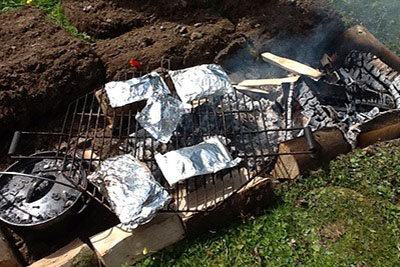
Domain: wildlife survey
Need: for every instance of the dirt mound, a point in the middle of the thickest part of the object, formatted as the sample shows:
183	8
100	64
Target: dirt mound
107	19
42	68
186	32
103	19
182	45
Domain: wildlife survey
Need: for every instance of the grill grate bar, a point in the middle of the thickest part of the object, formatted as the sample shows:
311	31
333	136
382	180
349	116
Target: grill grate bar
91	133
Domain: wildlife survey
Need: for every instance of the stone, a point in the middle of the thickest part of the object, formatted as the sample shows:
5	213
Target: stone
183	30
84	143
87	8
196	35
146	42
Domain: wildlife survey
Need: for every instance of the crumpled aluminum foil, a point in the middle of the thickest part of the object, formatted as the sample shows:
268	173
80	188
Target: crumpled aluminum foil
161	116
200	81
134	194
207	157
122	93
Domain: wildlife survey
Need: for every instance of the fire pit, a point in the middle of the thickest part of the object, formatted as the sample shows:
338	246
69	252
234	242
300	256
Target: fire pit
250	122
246	125
254	122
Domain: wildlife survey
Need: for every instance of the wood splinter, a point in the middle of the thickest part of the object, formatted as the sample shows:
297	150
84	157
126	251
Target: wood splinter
291	65
251	90
265	82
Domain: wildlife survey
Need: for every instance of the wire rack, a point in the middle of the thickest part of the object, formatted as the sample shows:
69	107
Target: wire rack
92	132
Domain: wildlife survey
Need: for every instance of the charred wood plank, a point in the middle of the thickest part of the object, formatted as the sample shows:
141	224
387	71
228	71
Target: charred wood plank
383	128
375	83
327	93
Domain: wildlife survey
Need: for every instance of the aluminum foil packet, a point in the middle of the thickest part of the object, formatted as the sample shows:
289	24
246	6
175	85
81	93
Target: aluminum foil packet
161	116
207	157
201	81
134	194
122	93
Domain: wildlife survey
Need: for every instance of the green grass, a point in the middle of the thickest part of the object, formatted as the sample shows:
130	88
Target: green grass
342	216
52	8
380	17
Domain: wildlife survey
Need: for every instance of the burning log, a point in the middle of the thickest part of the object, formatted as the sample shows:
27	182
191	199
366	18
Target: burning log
359	38
376	83
291	65
366	87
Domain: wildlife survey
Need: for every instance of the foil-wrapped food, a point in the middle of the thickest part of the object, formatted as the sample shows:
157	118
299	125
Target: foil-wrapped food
200	81
121	93
207	157
161	116
134	194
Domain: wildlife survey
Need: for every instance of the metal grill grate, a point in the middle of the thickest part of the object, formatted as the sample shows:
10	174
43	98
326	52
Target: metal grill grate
92	132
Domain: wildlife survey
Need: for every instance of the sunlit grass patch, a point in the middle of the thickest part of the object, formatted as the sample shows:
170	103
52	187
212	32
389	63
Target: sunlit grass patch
380	17
52	8
346	215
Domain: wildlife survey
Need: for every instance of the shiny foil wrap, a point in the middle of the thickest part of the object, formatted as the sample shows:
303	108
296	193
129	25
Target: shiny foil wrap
161	116
134	195
200	81
207	157
122	93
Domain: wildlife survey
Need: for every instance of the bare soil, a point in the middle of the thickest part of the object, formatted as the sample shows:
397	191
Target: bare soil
332	232
42	68
185	32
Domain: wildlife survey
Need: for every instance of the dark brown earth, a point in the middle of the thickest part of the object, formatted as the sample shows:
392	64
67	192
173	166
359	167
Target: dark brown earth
42	68
185	32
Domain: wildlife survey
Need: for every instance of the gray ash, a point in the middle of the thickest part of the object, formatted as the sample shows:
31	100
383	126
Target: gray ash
352	95
240	120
